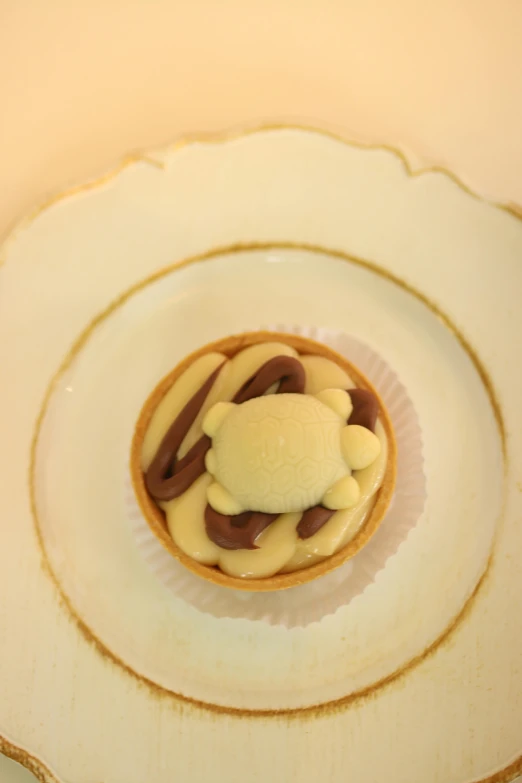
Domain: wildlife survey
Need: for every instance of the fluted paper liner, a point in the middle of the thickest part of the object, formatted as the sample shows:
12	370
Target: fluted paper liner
308	603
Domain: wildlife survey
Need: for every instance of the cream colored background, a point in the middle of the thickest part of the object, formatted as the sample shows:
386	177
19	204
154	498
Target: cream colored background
84	81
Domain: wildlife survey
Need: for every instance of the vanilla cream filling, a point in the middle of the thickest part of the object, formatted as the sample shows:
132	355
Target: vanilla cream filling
279	547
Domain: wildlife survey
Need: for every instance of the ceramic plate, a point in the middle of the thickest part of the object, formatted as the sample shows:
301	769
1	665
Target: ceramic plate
109	677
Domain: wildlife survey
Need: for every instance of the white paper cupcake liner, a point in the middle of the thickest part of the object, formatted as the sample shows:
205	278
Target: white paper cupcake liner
308	603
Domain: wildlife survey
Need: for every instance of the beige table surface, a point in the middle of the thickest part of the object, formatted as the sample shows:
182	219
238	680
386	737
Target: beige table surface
84	81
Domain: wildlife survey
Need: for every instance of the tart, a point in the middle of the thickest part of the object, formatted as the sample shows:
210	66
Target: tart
263	461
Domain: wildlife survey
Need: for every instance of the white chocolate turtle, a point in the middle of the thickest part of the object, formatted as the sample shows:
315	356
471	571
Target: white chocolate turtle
285	453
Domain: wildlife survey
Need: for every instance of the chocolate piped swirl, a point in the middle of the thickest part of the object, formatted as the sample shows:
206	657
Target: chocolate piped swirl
365	408
169	477
236	532
312	521
286	370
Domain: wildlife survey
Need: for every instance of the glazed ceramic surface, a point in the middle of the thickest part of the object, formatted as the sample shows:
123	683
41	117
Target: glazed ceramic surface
109	677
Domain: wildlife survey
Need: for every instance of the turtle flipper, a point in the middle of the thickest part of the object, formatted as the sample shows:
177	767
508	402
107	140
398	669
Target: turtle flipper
338	400
344	493
222	501
216	416
360	446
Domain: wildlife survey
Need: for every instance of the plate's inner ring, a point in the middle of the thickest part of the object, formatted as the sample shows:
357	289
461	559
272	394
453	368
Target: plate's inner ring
81	452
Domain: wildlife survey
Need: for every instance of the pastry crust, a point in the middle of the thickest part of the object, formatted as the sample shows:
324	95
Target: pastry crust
156	519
